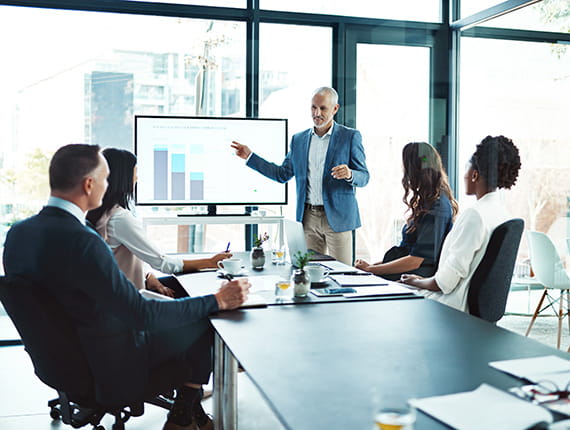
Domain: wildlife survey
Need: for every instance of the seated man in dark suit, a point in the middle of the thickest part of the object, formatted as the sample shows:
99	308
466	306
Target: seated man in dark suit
123	335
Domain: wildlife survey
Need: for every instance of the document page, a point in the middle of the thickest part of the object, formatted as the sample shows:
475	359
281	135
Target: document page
203	283
358	280
484	408
337	267
389	289
537	369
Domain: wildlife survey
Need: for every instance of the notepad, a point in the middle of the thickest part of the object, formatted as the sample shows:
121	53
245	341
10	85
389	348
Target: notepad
537	369
390	289
483	408
358	280
337	267
254	301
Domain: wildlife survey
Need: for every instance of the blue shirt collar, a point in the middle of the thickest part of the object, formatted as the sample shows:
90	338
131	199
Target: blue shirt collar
67	206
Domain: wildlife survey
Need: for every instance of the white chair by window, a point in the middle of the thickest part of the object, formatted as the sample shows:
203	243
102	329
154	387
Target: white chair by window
549	271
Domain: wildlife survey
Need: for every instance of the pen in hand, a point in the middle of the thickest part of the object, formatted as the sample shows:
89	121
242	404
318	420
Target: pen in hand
228	247
227	276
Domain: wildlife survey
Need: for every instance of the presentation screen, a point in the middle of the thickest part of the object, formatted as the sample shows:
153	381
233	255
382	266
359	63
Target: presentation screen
189	161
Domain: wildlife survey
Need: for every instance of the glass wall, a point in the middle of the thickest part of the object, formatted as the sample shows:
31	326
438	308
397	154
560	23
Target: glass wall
411	10
392	96
547	15
288	75
469	7
87	73
520	90
85	76
78	83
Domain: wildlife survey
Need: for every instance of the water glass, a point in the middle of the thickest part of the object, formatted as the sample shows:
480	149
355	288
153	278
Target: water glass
395	418
278	256
283	290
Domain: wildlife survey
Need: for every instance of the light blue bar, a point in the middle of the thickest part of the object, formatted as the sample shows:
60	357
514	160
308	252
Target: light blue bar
178	163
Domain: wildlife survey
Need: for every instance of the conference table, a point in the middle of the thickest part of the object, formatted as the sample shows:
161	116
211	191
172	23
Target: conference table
329	364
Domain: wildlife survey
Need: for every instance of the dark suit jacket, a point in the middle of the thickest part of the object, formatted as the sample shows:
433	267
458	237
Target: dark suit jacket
55	251
339	197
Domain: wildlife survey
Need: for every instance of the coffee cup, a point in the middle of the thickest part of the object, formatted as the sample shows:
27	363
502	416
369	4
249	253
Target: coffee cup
316	272
231	265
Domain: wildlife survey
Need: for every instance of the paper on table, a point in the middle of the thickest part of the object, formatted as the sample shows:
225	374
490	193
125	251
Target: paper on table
537	369
201	284
263	283
358	280
484	408
337	267
391	289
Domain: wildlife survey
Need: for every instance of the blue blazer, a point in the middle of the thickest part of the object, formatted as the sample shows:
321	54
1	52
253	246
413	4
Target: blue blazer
56	251
339	199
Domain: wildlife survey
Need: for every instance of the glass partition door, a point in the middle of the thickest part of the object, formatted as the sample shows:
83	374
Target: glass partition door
392	106
388	92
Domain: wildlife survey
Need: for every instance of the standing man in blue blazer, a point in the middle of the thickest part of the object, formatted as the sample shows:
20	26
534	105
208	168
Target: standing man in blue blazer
328	163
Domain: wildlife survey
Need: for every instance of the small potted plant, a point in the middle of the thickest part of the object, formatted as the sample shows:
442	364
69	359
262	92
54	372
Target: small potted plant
300	279
257	253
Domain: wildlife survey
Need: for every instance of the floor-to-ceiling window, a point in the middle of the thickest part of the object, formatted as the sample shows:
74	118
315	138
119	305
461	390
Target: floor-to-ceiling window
392	108
288	75
84	75
56	87
520	88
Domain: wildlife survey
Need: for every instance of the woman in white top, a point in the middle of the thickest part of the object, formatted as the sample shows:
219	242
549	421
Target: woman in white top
124	233
494	165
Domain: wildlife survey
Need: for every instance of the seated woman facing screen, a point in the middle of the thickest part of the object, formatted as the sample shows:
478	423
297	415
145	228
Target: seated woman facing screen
495	164
432	208
123	232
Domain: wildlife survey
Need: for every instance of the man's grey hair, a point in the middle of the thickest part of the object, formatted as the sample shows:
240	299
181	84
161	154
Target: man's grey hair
331	92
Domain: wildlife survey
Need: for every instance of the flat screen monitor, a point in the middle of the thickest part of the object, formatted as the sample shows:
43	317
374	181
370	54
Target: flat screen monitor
189	160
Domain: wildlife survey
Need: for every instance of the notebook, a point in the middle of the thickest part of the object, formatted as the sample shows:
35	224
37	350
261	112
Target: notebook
390	289
339	268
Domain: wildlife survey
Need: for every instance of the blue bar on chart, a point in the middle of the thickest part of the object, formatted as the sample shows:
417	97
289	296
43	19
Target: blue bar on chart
177	166
160	172
196	185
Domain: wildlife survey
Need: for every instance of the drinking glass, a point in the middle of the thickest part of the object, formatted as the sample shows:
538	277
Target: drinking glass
278	255
401	417
283	290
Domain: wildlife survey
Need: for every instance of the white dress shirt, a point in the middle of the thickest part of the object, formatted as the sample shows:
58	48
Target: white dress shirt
464	248
318	148
67	206
122	228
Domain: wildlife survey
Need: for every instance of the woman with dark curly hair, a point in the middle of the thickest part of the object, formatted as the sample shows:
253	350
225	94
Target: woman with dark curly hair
494	165
431	211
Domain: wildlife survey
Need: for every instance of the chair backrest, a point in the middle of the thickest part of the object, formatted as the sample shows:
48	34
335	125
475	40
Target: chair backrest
490	284
48	336
545	261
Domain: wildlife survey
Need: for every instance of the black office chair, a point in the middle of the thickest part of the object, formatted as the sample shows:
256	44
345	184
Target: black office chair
490	284
50	339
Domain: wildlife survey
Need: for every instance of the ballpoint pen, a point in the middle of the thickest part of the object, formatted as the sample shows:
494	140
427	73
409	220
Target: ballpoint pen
227	276
228	247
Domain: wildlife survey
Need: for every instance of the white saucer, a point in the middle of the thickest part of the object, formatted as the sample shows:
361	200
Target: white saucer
242	272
